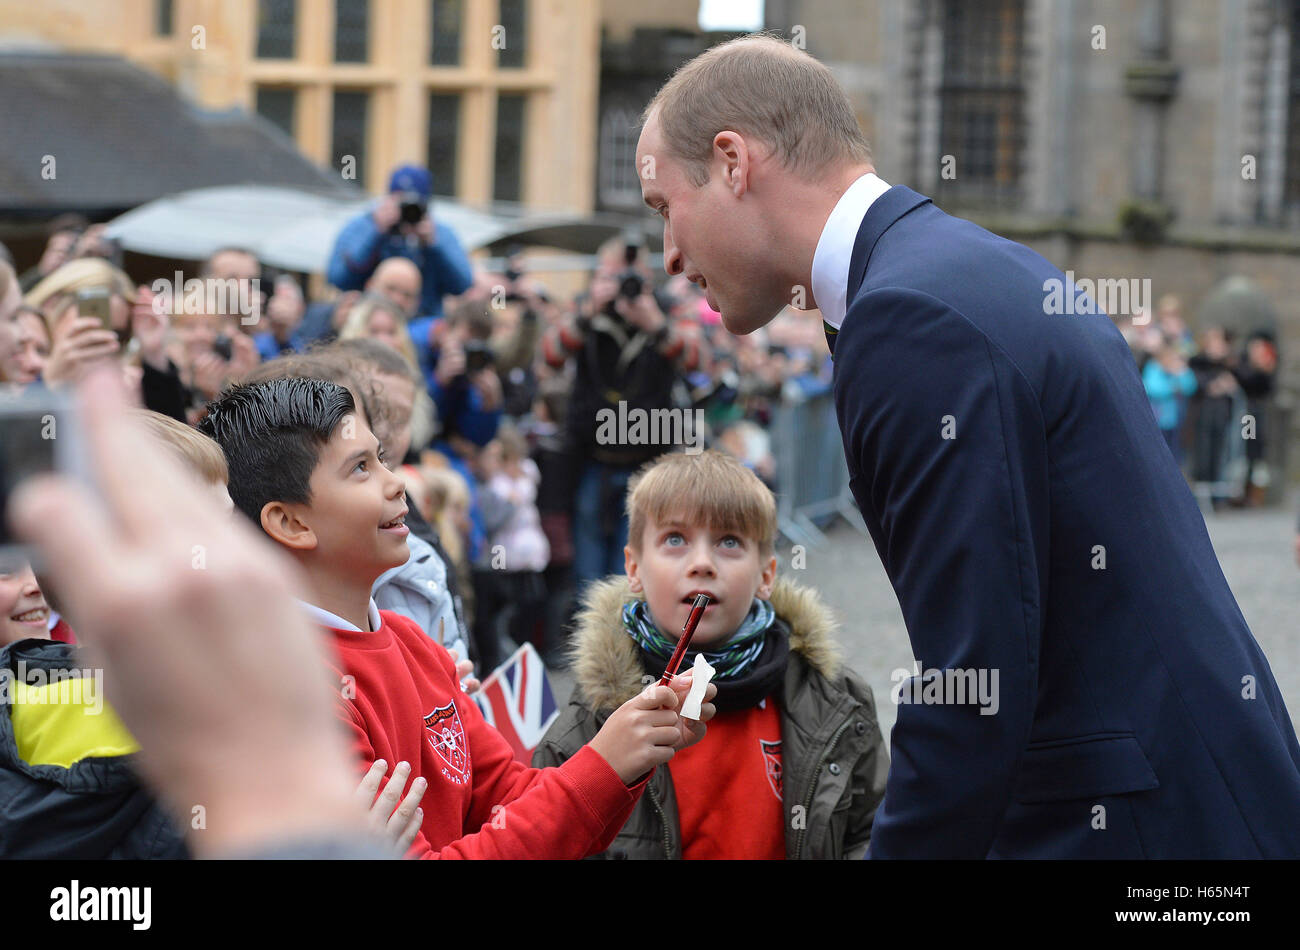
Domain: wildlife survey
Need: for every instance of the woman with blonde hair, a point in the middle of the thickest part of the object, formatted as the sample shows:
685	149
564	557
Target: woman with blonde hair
117	318
375	317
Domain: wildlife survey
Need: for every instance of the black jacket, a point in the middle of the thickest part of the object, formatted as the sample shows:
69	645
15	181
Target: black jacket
95	809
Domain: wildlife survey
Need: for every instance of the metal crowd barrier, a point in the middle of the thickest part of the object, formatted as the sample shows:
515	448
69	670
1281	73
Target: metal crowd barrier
812	478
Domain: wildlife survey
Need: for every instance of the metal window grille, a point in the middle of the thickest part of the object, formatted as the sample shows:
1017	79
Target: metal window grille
982	103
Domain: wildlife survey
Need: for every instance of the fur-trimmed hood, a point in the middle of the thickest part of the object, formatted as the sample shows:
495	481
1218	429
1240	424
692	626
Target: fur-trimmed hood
606	662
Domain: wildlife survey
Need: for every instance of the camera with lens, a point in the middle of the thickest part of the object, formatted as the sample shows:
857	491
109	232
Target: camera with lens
631	283
478	356
413	207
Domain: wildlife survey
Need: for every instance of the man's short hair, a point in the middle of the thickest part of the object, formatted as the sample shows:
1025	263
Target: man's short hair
206	270
194	450
760	86
710	488
272	433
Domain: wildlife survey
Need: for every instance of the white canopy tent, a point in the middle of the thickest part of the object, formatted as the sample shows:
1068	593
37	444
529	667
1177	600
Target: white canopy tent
295	230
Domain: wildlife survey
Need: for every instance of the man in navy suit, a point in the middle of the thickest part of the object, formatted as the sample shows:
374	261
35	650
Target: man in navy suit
1030	517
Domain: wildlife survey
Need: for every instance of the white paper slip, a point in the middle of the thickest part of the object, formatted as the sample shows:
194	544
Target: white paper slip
702	673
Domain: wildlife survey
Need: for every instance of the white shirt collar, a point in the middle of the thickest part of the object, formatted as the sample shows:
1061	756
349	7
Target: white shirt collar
327	619
830	269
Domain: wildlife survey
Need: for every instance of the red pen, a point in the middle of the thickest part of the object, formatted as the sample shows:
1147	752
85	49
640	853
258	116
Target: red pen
688	631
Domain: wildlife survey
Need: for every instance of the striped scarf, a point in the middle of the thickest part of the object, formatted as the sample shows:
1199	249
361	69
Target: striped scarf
731	659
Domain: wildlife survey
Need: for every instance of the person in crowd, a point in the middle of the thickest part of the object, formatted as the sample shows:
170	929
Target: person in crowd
398	279
467	393
449	514
239	271
31	348
426	588
1173	328
338	511
786	705
11	293
116	315
159	654
514	596
325	318
1169	384
401	224
545	434
377	317
284	313
1256	372
625	351
68	775
210	347
60	247
1217	390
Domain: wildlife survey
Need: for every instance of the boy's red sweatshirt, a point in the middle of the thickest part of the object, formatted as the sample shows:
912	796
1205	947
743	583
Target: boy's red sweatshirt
402	703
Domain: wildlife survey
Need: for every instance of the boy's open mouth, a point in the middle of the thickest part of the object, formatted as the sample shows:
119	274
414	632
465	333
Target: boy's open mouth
397	524
37	615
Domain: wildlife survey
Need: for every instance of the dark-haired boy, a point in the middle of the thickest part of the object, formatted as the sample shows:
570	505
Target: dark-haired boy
313	477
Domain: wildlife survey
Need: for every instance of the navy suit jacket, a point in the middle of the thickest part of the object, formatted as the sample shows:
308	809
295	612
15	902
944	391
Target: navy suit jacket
1033	522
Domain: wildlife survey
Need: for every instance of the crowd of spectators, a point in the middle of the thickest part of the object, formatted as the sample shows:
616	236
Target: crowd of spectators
1210	394
500	398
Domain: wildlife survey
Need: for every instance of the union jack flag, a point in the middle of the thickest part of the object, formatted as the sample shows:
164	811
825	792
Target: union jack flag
516	698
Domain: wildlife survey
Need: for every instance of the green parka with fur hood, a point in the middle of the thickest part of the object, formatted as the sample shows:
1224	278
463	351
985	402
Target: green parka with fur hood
834	759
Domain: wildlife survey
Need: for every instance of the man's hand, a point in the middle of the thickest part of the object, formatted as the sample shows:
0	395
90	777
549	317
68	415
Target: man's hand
465	673
396	822
172	639
488	384
604	288
642	312
243	355
451	362
641	734
209	374
386	214
79	342
424	230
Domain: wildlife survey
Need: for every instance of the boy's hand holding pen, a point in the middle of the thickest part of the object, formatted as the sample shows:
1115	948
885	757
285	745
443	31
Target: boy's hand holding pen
646	730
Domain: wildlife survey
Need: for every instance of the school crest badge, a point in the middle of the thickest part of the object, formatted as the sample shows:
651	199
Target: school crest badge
447	737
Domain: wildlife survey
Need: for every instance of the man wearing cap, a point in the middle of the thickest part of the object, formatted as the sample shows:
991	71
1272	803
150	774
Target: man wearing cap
401	225
1035	527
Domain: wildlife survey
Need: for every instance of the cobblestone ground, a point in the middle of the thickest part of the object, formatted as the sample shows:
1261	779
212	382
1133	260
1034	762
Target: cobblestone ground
1254	547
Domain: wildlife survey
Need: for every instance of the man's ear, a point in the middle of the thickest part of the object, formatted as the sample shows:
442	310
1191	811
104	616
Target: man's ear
632	568
767	580
282	522
731	149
